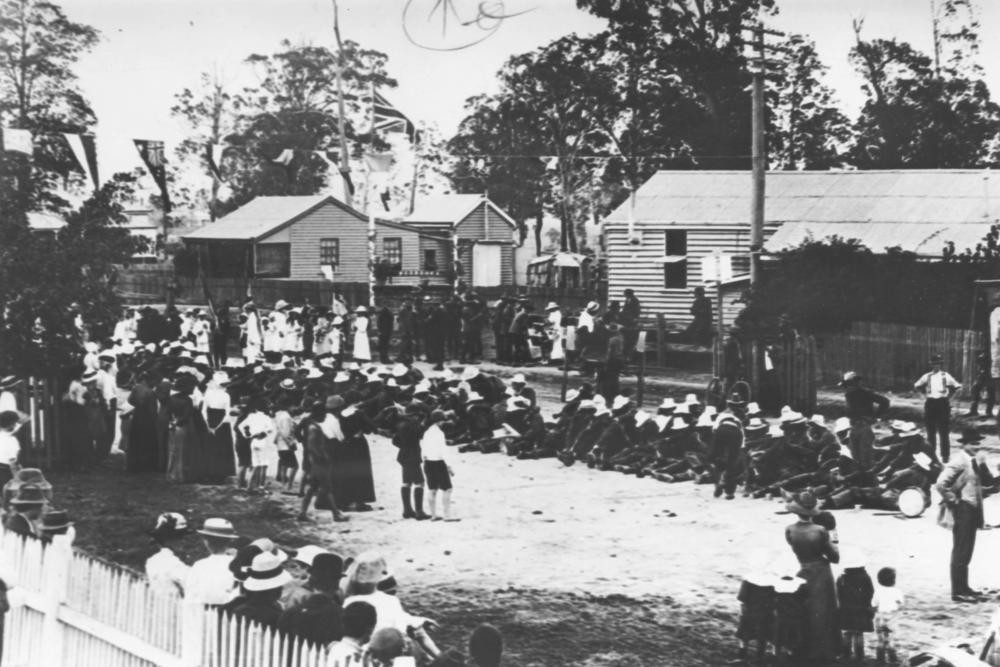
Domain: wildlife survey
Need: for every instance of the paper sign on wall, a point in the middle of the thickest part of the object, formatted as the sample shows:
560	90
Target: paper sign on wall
716	267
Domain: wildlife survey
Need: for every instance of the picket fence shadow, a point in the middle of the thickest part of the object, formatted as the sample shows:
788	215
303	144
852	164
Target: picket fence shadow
69	608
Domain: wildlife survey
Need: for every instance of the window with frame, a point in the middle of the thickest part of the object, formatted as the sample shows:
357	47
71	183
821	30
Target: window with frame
430	260
675	259
273	259
392	250
329	252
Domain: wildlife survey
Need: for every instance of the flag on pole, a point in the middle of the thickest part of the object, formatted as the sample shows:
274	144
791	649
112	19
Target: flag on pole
214	156
390	119
337	184
85	151
18	141
152	154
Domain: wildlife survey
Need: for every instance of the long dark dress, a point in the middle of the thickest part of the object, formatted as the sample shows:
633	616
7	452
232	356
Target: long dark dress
812	546
185	440
357	484
162	424
142	454
77	443
219	460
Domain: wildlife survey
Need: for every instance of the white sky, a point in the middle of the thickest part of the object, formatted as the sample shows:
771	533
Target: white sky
152	49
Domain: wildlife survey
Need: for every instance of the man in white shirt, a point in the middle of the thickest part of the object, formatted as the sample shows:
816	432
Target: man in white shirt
210	582
108	386
437	472
938	387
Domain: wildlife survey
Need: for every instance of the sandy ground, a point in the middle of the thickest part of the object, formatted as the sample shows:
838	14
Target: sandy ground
576	566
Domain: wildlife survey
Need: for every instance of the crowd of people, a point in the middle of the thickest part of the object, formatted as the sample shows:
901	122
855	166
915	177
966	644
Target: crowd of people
305	395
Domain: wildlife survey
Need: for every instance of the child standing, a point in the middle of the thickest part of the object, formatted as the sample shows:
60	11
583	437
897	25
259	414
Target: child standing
887	601
789	612
259	429
757	599
855	591
284	426
434	447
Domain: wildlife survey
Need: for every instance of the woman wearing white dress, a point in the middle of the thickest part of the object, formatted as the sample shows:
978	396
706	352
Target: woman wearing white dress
362	347
292	341
252	349
554	329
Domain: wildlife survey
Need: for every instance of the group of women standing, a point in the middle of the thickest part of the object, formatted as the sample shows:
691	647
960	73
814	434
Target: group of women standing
303	331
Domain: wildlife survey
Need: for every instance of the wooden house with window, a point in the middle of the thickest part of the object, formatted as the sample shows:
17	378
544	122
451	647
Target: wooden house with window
485	234
309	238
680	217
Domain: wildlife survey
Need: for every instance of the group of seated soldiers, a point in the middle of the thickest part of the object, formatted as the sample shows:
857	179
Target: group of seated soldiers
728	445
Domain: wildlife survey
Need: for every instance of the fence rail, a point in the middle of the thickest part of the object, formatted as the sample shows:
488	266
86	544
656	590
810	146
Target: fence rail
894	356
72	609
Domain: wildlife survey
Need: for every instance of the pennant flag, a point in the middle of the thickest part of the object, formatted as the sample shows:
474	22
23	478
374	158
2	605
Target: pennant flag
378	162
85	151
337	185
285	157
390	119
215	160
18	141
345	176
152	154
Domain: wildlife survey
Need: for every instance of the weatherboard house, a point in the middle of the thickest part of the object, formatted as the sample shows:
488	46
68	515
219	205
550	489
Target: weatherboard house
320	237
680	217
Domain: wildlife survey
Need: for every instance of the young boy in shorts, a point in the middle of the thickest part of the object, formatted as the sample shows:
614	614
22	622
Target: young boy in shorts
434	447
407	440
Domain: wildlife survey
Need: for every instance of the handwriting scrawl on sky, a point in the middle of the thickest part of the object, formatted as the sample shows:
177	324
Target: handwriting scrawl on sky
452	25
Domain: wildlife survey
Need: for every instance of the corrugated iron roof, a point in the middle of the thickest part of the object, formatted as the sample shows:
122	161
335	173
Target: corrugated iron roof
257	218
443	209
904	196
927	239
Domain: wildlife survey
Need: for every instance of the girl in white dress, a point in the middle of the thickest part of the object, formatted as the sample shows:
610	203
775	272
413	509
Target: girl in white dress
362	347
553	328
252	348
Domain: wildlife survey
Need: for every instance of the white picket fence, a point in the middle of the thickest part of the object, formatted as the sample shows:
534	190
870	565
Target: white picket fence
71	609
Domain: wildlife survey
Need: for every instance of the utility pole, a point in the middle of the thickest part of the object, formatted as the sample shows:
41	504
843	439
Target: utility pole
937	40
759	164
759	67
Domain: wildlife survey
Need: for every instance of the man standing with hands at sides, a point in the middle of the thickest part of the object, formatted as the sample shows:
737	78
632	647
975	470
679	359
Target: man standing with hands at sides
961	487
864	406
938	387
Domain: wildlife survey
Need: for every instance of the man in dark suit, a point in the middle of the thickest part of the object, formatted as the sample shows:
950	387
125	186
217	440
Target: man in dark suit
961	487
384	323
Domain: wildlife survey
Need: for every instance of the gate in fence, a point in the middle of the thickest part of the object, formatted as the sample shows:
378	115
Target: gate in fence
41	400
71	609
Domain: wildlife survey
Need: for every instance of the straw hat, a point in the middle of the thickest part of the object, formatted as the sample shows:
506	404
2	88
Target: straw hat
518	378
473	397
818	420
552	306
842	424
620	402
218	528
470	373
361	310
641	417
280	304
705	420
515	403
267	573
307	554
369	568
572	395
667	404
342	376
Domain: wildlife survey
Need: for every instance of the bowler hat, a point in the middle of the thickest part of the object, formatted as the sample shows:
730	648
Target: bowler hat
54	520
937	359
29	494
803	503
970	436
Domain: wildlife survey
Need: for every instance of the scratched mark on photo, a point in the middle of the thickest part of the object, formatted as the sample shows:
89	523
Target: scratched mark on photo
452	25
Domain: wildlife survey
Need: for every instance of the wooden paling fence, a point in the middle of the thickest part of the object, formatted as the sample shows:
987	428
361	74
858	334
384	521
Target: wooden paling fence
71	609
894	356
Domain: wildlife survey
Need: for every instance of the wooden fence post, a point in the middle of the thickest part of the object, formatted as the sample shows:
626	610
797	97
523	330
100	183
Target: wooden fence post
661	339
193	622
55	575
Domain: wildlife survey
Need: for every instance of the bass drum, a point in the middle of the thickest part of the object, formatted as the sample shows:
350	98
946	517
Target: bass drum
913	502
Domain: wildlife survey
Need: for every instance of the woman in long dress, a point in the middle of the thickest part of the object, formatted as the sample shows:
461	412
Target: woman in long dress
355	461
362	346
815	551
187	431
77	441
252	334
218	457
142	454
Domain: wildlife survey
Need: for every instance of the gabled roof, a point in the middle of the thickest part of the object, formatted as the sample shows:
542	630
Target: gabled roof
942	197
259	217
446	210
263	216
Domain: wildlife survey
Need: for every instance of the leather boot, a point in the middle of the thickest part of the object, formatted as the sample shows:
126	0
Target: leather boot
418	503
407	507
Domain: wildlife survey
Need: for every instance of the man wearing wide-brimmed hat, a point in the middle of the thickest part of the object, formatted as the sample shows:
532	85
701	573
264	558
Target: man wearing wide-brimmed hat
937	386
863	408
27	508
727	444
210	581
961	487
